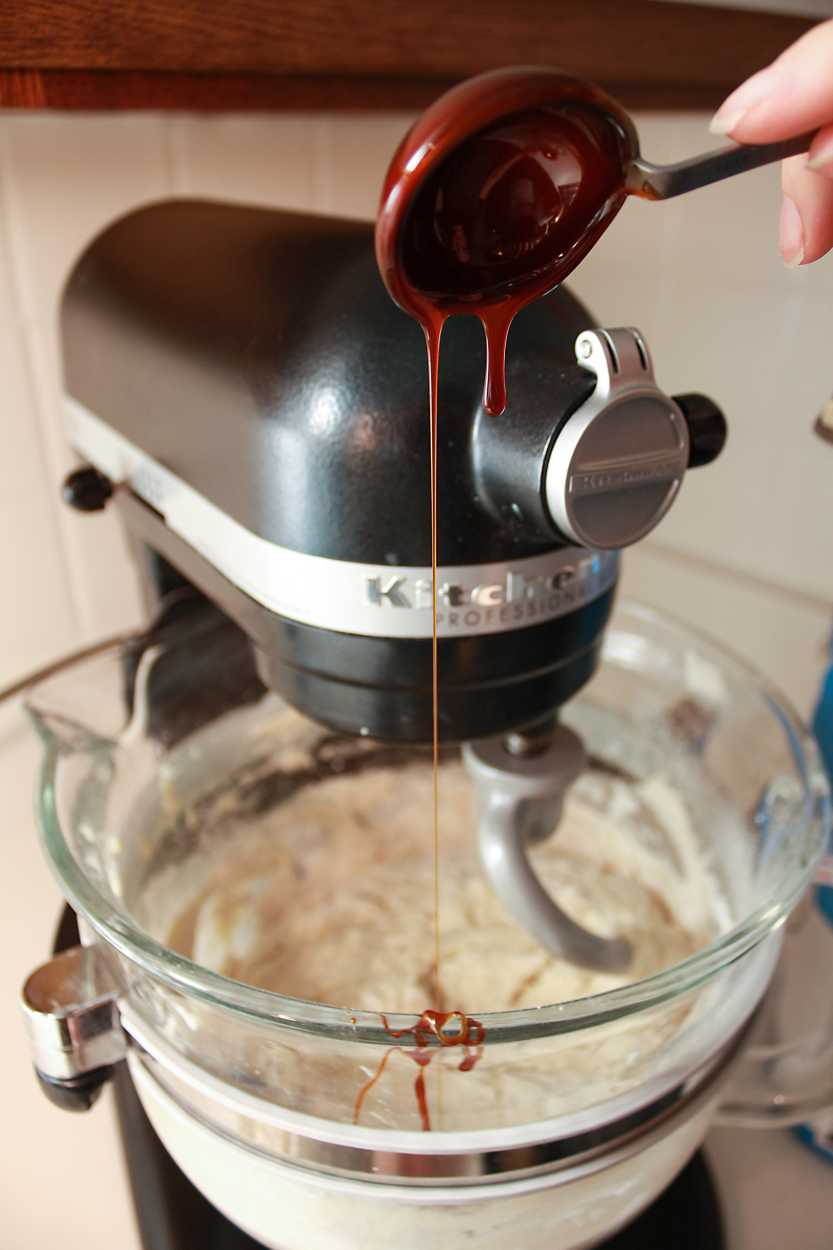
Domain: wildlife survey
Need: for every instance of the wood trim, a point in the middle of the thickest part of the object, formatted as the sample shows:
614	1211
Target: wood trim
74	89
361	54
83	90
423	38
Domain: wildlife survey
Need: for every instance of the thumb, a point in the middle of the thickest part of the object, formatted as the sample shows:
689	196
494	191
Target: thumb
793	94
806	213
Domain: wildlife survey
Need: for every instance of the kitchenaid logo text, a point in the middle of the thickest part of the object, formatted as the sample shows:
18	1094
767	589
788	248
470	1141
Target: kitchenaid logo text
516	598
611	479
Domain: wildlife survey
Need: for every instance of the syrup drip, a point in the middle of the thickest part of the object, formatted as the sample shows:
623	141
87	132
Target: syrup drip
464	1031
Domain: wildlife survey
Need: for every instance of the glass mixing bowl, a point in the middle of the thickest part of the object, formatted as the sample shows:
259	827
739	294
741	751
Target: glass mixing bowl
163	755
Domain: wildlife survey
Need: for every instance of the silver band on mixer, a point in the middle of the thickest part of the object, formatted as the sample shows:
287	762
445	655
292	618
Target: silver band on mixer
374	600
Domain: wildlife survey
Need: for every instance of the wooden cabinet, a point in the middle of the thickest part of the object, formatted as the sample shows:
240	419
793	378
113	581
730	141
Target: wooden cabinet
367	54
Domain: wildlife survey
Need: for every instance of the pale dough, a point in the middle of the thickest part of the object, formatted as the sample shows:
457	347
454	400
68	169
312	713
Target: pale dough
333	900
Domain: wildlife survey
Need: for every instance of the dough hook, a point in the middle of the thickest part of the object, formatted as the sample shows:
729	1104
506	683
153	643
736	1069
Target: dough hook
520	782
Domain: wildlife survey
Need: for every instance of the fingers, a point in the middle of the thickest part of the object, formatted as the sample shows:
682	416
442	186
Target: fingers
793	94
806	231
820	156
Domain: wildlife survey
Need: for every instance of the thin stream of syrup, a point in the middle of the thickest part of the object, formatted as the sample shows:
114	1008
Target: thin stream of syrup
433	1023
432	342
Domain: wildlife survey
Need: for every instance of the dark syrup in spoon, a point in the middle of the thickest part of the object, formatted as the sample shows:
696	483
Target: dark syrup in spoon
494	196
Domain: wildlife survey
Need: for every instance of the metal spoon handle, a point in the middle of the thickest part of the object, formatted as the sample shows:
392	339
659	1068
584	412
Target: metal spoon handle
662	182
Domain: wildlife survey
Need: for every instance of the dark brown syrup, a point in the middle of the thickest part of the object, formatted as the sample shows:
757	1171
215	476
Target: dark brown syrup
449	1028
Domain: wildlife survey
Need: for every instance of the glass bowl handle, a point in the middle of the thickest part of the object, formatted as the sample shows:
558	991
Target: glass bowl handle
786	1075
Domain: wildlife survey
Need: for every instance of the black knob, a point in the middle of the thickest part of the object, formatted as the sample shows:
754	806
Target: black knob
77	1093
707	428
87	490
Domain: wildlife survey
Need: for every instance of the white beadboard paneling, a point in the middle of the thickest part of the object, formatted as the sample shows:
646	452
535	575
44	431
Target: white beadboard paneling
619	285
37	622
765	356
784	635
729	231
251	158
65	177
724	316
622	277
623	272
354	155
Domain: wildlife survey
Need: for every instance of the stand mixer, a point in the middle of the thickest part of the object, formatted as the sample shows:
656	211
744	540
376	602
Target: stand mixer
243	390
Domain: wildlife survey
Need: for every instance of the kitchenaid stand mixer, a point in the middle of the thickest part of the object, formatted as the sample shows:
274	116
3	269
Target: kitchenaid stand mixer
241	387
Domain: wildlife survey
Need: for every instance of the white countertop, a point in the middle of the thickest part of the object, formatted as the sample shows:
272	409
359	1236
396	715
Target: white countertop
62	1179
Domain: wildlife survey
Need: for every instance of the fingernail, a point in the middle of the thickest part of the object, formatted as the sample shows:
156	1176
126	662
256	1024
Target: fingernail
725	121
822	158
737	105
791	234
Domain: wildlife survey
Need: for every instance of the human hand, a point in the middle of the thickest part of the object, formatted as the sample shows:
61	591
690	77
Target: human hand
793	94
